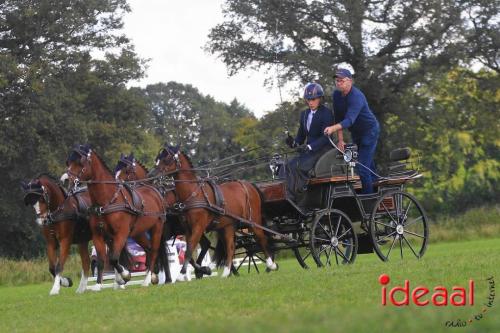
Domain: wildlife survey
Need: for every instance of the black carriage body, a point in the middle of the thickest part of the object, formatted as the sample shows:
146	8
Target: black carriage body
333	189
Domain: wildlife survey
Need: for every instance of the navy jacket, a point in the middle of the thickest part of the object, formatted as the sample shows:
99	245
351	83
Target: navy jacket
315	137
353	112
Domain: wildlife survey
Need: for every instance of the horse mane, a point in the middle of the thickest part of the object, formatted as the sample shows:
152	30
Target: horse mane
48	175
54	180
188	159
104	164
142	165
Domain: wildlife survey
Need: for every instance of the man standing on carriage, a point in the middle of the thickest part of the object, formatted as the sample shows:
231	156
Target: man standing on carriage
309	139
352	111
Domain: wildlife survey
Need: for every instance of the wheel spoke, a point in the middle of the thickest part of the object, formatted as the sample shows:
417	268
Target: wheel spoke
241	262
413	221
390	215
341	254
324	249
307	255
414	234
338	226
344	233
398	201
336	258
382	239
411	247
330	221
401	247
390	249
385	225
407	210
326	232
322	239
328	256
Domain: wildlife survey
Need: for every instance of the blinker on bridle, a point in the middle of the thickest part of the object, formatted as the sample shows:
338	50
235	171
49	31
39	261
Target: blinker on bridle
83	155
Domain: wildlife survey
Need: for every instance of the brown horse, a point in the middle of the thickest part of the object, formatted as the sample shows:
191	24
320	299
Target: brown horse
120	212
219	206
128	168
63	220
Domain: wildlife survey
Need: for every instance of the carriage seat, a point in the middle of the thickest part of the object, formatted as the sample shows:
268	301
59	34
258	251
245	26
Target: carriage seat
398	162
399	170
329	164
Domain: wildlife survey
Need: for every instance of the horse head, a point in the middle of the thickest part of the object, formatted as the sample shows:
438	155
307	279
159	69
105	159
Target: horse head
41	193
168	160
79	163
129	168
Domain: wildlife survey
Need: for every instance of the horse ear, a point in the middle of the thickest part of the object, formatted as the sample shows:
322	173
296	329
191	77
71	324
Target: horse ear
131	155
24	185
177	147
121	156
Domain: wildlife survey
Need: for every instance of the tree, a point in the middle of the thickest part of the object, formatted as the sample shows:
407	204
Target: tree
454	120
390	44
203	127
54	94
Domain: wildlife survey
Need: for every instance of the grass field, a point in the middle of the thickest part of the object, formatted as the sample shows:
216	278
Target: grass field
338	299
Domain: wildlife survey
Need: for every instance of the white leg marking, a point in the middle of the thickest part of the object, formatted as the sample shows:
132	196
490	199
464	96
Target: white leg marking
96	287
125	273
83	284
226	272
118	278
154	278
57	285
147	279
270	264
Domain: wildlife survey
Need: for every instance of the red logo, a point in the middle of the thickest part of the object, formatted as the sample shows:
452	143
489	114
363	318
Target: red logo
422	295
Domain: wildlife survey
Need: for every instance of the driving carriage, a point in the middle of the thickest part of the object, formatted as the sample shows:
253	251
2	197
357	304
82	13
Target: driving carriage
332	222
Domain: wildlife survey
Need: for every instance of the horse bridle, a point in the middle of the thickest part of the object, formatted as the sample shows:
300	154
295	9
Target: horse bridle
42	192
130	167
83	155
169	159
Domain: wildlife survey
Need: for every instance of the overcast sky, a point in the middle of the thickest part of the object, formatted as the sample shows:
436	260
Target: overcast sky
172	33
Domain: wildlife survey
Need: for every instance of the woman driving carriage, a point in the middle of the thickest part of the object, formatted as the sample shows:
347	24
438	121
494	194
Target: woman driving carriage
313	123
352	111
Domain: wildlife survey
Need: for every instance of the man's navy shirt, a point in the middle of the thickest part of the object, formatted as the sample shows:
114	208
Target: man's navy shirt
353	112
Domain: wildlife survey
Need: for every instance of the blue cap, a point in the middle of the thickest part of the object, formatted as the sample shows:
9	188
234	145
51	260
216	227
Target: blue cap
342	73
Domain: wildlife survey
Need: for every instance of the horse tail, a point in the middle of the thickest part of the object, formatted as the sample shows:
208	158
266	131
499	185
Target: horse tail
163	263
220	250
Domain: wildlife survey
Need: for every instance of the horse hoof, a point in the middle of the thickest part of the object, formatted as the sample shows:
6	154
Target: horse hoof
54	292
183	271
271	269
154	279
66	282
206	270
96	287
126	276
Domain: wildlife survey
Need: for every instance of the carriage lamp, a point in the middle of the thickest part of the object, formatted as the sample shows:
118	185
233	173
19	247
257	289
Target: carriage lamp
275	165
350	153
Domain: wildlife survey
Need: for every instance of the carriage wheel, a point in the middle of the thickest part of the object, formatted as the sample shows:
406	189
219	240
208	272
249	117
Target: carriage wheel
303	251
398	226
333	239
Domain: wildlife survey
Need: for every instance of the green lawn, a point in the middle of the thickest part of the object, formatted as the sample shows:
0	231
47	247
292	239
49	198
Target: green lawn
339	299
